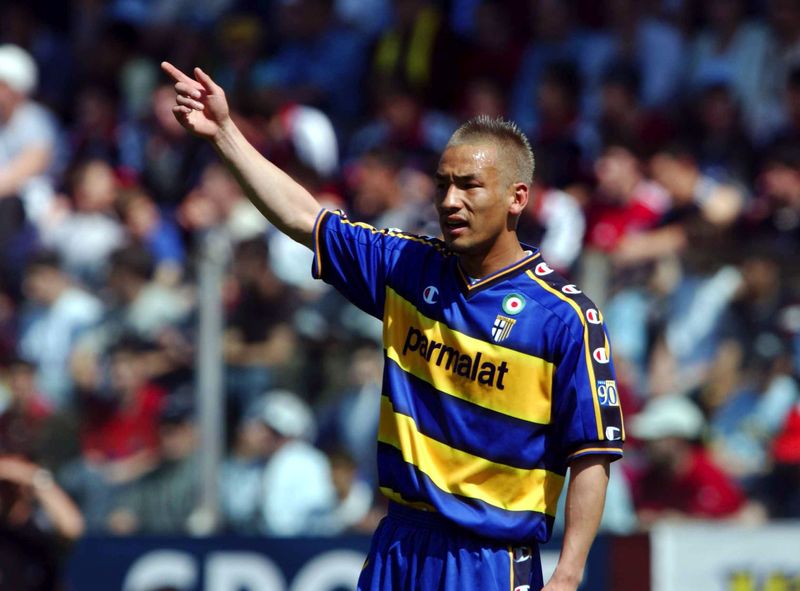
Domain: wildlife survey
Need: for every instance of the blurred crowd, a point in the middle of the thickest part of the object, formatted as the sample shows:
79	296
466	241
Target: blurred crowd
667	142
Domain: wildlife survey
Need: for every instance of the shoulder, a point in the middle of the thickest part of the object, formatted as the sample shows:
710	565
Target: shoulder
393	237
563	300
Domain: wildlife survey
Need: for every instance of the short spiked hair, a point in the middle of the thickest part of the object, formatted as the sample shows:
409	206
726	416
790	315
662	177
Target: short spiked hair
515	149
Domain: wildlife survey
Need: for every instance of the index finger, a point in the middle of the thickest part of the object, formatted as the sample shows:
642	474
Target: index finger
176	74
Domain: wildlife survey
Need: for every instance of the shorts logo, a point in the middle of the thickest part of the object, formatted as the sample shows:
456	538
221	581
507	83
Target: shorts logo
502	328
570	289
613	433
522	588
522	554
593	316
600	355
513	303
430	295
542	269
607	393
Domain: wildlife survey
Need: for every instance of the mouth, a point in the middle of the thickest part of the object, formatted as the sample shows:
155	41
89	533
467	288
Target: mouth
454	226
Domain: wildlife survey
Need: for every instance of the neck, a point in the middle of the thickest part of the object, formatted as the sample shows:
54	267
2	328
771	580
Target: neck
502	255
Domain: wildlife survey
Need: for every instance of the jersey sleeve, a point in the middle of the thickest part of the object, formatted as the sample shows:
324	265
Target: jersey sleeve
355	258
586	402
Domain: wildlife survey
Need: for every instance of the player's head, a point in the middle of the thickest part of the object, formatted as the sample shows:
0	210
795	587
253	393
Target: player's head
482	181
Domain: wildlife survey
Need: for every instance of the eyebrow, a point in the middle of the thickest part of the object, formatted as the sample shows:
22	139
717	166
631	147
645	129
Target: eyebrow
438	176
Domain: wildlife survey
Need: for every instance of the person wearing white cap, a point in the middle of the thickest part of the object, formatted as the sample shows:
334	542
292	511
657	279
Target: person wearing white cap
680	479
297	481
27	135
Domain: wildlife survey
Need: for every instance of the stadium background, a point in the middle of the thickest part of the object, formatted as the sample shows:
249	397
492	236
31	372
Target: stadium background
146	307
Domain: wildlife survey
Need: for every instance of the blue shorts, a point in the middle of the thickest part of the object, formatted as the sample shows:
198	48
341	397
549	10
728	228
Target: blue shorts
416	550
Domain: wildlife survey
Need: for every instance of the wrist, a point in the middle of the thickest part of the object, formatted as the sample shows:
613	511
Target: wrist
568	576
226	130
42	481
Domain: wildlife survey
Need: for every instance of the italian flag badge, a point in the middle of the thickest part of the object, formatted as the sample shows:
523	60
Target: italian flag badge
513	303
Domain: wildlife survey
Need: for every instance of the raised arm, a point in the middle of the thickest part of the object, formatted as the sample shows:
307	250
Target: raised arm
202	109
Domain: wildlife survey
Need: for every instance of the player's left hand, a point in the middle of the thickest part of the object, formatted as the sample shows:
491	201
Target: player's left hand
559	583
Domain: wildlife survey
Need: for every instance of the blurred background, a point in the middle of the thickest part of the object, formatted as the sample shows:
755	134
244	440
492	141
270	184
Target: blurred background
179	400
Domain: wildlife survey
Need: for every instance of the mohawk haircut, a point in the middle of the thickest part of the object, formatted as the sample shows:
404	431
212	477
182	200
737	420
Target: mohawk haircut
514	148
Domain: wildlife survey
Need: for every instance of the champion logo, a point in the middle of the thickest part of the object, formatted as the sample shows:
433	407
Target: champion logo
600	355
570	289
542	269
430	295
613	433
522	554
593	316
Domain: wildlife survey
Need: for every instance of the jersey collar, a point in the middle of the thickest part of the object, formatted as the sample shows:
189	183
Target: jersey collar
469	288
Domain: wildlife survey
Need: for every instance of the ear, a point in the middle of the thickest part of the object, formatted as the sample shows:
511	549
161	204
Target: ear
519	198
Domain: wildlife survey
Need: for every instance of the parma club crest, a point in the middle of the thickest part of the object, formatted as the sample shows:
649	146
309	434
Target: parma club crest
502	328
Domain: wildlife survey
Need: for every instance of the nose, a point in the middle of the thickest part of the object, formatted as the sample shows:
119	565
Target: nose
450	200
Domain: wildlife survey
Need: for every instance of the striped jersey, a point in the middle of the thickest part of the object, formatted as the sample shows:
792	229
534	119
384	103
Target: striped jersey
490	388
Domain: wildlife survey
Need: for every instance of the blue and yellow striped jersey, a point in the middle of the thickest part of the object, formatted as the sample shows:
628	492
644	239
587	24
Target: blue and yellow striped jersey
490	387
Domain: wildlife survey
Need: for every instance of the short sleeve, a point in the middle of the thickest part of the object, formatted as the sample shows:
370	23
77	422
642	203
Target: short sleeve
587	408
353	257
34	128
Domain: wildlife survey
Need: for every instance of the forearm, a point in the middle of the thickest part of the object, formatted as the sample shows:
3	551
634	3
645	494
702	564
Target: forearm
15	174
65	516
584	508
284	202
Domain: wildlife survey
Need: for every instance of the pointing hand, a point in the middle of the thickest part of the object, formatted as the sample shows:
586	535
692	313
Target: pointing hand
200	105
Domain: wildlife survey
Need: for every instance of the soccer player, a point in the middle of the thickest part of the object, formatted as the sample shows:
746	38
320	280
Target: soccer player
497	376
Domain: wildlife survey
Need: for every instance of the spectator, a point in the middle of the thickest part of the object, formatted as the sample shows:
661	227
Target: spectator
389	195
653	45
24	415
732	50
722	147
150	228
259	340
121	433
555	222
494	50
350	419
679	480
58	314
559	141
241	475
761	395
169	163
627	202
557	38
353	500
403	123
783	482
143	307
118	432
318	63
27	137
38	522
218	202
624	118
297	478
417	49
775	214
162	500
719	201
92	217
